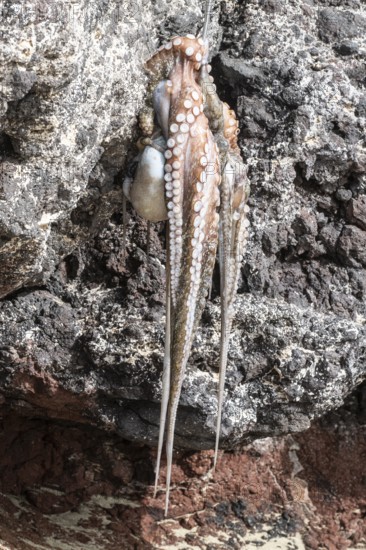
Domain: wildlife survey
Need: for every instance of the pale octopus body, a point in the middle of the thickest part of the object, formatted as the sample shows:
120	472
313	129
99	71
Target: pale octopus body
192	158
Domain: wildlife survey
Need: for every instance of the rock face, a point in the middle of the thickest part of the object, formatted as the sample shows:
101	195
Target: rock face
72	84
82	338
72	487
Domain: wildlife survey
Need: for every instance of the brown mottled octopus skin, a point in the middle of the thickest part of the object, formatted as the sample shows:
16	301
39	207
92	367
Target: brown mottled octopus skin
197	171
233	231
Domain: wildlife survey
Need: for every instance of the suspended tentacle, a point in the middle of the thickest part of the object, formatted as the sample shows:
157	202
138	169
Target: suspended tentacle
192	198
225	261
166	373
235	171
200	149
200	229
233	235
234	192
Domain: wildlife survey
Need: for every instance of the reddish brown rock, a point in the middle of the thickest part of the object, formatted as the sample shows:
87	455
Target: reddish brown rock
299	484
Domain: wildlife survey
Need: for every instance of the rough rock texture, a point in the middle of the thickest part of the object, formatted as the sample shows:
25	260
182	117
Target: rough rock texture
81	327
87	343
68	487
72	82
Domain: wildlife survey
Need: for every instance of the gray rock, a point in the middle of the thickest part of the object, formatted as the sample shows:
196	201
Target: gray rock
336	24
356	211
102	362
82	338
72	83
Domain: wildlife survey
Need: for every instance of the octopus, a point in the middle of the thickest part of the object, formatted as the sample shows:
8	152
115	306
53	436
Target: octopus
190	173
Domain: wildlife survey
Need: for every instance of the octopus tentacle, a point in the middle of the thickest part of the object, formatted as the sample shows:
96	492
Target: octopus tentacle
198	138
192	198
224	260
232	240
166	373
234	191
233	234
200	226
239	197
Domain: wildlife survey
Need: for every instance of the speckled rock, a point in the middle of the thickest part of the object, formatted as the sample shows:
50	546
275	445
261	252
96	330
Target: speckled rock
84	341
72	82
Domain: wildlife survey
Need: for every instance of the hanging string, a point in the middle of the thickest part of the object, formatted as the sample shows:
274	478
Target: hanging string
206	23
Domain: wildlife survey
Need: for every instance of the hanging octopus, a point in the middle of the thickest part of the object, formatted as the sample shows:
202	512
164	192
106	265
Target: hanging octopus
191	174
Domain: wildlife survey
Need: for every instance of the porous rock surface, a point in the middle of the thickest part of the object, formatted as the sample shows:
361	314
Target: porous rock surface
72	82
82	327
